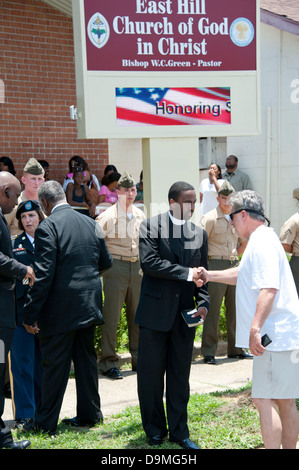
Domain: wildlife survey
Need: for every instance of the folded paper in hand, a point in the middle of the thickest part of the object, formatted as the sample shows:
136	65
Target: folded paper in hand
187	315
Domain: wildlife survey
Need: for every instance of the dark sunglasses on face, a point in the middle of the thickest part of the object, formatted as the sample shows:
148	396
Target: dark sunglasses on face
251	211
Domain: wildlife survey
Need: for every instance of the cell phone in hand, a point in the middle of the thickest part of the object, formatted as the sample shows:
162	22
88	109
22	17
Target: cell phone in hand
265	340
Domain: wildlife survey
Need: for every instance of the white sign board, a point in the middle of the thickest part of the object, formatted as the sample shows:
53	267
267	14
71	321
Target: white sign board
167	68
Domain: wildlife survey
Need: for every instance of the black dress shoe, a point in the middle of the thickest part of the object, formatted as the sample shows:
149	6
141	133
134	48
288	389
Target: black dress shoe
20	423
113	373
243	355
158	439
209	360
30	426
155	440
187	444
16	445
77	422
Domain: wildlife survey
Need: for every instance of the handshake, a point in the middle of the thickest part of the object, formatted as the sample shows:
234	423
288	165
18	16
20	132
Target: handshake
200	276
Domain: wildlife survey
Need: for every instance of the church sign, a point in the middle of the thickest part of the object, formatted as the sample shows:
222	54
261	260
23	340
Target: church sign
148	68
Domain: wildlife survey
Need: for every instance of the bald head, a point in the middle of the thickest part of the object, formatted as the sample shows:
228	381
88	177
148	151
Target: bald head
7	178
10	190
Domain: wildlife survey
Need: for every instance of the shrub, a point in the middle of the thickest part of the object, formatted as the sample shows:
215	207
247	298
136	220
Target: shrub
122	339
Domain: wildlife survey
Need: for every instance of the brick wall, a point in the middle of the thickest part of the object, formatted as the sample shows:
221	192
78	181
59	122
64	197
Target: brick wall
38	72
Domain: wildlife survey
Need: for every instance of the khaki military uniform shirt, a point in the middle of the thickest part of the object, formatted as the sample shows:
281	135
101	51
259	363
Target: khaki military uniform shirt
121	232
289	233
222	236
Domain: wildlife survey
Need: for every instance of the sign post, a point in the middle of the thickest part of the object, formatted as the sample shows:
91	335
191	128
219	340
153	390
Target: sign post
167	69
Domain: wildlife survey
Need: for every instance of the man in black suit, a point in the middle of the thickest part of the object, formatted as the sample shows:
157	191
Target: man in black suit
171	249
10	270
64	306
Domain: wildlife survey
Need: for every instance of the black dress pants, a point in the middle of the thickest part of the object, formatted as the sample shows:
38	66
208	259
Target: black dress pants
165	355
6	338
57	353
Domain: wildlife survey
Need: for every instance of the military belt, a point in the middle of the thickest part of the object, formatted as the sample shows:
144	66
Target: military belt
131	259
227	258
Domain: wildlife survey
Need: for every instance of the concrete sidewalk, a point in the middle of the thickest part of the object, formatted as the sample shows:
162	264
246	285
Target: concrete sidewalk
116	395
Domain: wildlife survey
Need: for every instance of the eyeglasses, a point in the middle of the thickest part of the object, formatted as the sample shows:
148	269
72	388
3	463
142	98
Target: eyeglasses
251	211
231	216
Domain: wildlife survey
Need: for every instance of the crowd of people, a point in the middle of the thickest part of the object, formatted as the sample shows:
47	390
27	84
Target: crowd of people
66	269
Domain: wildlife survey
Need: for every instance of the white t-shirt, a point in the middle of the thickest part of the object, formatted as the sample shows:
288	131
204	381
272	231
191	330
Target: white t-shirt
209	195
265	265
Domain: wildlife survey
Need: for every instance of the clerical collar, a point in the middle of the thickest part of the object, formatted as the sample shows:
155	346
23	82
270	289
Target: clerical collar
176	221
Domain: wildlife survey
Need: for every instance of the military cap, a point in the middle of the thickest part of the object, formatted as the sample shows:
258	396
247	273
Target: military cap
27	206
226	189
33	167
126	181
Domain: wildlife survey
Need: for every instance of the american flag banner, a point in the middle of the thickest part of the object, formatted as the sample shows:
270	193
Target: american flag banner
172	106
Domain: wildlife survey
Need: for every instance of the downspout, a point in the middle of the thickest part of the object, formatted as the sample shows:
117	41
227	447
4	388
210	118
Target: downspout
268	162
279	134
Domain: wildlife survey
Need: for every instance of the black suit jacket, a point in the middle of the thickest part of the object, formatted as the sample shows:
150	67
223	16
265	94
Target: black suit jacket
165	288
10	270
23	251
69	258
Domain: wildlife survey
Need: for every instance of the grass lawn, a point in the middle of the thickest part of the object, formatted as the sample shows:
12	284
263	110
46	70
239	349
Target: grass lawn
226	420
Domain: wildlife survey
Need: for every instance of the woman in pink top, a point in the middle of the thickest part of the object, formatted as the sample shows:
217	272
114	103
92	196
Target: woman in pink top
108	189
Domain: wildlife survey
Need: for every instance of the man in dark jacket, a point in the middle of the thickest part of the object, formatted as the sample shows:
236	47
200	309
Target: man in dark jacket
64	306
171	248
10	270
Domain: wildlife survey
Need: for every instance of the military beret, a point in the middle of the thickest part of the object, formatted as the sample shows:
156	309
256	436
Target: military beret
226	189
126	181
33	167
27	206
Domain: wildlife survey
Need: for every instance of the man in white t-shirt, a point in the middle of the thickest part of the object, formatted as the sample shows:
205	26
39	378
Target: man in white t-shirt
267	304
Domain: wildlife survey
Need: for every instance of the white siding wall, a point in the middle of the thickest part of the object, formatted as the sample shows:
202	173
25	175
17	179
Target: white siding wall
280	167
126	155
275	174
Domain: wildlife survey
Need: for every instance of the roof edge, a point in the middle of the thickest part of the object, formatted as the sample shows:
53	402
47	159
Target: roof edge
64	6
279	21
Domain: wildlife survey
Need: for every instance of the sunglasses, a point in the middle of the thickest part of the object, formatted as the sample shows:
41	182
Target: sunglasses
251	211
